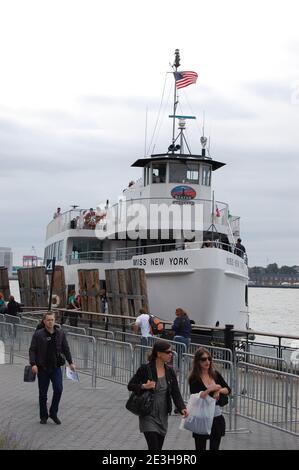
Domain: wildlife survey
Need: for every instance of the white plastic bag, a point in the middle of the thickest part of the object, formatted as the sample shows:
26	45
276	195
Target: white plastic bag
201	414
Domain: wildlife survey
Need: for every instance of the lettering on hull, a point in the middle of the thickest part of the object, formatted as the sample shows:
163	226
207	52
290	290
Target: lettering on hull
174	261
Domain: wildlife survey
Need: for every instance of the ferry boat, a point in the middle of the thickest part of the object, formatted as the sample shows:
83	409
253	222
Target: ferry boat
169	224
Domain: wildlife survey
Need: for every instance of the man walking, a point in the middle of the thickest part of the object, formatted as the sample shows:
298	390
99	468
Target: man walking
45	356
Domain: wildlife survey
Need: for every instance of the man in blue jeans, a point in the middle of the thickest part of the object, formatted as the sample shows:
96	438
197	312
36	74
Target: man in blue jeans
45	356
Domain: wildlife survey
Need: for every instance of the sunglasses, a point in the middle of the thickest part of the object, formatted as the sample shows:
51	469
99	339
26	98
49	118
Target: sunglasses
204	359
167	352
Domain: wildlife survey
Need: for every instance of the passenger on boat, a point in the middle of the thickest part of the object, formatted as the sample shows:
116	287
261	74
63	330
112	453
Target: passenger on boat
208	244
57	213
240	249
206	380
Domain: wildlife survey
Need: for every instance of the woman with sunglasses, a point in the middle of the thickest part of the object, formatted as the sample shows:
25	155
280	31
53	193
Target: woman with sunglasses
161	379
206	379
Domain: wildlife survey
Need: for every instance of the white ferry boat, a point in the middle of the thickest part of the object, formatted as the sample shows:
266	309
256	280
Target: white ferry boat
169	224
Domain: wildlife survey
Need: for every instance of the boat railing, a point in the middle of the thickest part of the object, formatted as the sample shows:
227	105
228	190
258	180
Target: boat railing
122	254
75	219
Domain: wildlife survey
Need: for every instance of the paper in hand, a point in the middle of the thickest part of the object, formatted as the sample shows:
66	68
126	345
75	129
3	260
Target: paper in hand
72	374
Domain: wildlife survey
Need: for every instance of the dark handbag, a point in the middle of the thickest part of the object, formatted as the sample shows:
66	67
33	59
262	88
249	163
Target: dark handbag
223	400
141	405
28	374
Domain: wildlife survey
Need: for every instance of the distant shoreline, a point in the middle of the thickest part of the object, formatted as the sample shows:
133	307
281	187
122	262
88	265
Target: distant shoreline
276	287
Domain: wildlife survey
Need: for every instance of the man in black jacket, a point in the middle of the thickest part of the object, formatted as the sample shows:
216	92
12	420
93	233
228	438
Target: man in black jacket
45	357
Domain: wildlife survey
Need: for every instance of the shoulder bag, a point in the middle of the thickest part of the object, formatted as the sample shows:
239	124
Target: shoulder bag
141	405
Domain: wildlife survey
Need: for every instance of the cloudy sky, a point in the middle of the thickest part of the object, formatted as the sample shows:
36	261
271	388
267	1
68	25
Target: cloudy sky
78	75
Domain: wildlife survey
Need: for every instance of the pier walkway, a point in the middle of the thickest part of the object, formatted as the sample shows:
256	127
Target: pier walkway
97	419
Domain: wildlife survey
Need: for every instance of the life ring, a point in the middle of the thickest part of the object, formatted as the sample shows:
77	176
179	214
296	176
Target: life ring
91	219
55	301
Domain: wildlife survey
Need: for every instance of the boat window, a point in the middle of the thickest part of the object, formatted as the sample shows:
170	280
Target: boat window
184	172
60	250
159	173
84	245
206	175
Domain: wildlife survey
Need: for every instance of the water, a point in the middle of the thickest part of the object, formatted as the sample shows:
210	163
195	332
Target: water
271	310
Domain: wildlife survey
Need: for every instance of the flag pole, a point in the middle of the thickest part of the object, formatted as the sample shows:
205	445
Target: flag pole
175	96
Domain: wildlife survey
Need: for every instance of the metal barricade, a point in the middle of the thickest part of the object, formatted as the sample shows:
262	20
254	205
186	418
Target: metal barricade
29	321
2	317
132	338
268	396
216	352
98	332
7	337
270	362
83	351
22	340
114	360
73	329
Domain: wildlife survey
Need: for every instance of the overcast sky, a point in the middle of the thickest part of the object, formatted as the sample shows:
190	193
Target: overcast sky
77	77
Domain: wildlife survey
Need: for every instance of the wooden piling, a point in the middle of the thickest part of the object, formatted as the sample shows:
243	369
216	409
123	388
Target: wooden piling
33	286
126	291
4	283
89	283
59	287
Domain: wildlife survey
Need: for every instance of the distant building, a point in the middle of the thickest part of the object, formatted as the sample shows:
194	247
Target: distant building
30	261
6	258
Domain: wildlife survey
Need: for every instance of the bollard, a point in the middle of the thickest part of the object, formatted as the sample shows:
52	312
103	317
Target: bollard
229	337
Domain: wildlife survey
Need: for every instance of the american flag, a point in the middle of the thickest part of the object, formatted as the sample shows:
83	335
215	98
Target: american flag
183	79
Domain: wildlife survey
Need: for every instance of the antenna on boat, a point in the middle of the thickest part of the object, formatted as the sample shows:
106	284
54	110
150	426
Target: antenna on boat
182	124
203	139
175	66
145	132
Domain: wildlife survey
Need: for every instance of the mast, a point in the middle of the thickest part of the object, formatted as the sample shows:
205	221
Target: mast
175	96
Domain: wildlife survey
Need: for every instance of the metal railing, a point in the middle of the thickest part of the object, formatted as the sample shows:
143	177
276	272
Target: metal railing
123	254
267	394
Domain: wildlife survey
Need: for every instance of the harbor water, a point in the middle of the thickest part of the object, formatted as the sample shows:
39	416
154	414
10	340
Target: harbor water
271	310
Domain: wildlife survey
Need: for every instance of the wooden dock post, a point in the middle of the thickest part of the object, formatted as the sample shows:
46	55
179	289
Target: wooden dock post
126	291
4	283
33	286
89	283
59	287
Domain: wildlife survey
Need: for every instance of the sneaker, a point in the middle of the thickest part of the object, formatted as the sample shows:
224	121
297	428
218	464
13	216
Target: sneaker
55	419
43	421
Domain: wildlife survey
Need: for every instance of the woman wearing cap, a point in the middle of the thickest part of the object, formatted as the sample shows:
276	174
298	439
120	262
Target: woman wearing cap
161	379
206	380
